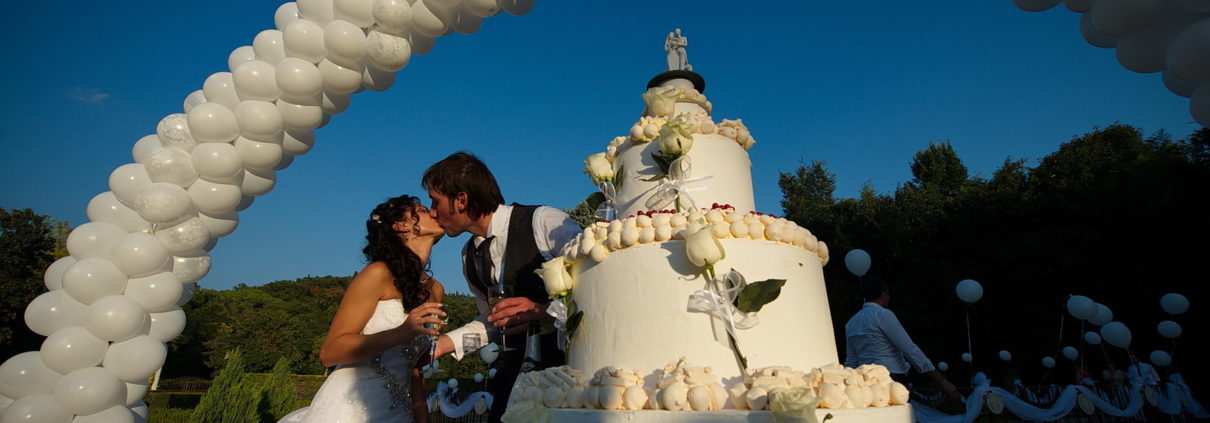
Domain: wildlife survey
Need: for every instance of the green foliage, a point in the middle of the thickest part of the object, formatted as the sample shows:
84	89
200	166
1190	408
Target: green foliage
28	244
280	394
168	415
225	390
246	403
755	295
583	213
1111	214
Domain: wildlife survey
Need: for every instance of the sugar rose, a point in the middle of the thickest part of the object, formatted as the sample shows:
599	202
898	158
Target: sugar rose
554	274
598	167
702	248
675	139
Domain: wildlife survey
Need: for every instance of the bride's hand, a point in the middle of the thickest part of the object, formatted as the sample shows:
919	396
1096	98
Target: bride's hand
426	313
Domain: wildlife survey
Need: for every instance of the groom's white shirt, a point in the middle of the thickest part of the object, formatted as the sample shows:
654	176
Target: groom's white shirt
552	230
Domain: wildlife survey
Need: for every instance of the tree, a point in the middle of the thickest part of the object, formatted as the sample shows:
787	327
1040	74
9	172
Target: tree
224	390
280	394
27	243
807	197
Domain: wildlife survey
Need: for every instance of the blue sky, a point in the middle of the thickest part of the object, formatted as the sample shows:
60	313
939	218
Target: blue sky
860	85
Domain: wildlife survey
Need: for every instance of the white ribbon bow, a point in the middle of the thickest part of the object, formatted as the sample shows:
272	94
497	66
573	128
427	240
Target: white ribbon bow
675	186
558	310
718	302
606	210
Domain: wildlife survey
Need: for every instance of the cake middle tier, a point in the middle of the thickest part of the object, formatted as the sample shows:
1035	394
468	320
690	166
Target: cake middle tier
636	315
721	172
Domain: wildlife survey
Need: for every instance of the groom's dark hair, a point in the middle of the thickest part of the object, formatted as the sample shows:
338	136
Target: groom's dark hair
463	172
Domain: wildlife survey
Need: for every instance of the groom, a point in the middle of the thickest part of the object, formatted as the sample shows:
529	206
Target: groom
509	243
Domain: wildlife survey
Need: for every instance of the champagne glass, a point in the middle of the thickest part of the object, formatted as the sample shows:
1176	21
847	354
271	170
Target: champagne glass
496	293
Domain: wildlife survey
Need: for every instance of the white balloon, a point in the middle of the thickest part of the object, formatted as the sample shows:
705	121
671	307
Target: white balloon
286	13
217	162
489	353
491	373
285	162
333	104
186	295
127	180
1081	307
481	404
299	116
90	279
1092	338
155	293
1095	36
39	408
1125	17
52	311
1104	315
167	325
297	142
857	261
1145	52
1178	86
452	383
393	16
479	377
140	412
425	21
53	277
1048	362
220	224
1006	356
1071	353
135	391
173	130
135	359
345	42
194	98
943	366
219	88
255	80
72	348
388	52
258	182
115	414
89	390
269	46
162	203
140	254
318	11
358	12
1174	303
259	120
299	80
1116	334
481	8
467	23
1078	6
969	290
114	318
1199	105
240	55
304	39
1035	5
94	239
1160	358
216	198
190	269
171	165
105	207
258	155
517	7
378	80
185	238
1169	329
340	79
25	374
143	148
966	357
1188	56
213	122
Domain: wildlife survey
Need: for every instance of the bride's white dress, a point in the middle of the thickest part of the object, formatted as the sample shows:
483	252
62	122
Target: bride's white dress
372	390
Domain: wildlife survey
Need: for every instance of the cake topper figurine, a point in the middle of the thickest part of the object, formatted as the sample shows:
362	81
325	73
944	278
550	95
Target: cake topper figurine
675	45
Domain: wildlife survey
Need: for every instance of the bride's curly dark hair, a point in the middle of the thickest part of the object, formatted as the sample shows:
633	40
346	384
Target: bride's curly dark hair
383	244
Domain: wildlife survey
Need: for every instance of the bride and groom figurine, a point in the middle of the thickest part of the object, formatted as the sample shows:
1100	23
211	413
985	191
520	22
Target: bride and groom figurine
383	333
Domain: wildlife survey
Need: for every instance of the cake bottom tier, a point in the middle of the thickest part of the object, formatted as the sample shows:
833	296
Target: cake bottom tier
891	414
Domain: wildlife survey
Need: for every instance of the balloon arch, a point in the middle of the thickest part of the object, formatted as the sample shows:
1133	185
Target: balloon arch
115	301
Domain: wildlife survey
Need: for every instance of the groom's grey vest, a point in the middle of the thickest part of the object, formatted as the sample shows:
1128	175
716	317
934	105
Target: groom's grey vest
521	260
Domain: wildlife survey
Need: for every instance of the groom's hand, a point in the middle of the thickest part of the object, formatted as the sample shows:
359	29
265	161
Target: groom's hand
514	314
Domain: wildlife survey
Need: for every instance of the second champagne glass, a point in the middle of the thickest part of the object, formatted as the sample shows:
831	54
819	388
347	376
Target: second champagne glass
496	293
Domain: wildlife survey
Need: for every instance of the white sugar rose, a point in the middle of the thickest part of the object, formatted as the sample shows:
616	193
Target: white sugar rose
599	168
661	101
701	246
554	274
675	139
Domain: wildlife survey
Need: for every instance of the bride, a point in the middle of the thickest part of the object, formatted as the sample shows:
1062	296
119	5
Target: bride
378	338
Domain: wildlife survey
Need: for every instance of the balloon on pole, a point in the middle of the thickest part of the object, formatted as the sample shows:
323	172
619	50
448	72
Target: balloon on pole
1071	353
1081	307
969	291
1160	358
857	261
1048	362
1116	334
1169	329
1174	303
1092	338
1103	315
1005	355
943	366
966	357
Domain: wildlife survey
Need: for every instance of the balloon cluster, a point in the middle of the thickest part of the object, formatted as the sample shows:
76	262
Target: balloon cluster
1172	304
116	300
1149	36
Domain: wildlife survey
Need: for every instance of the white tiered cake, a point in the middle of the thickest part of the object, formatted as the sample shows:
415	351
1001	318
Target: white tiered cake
689	305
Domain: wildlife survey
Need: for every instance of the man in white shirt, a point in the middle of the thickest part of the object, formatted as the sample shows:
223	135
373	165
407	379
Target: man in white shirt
874	336
508	243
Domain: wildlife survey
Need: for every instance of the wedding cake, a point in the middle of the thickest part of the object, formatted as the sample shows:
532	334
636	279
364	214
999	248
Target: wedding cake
683	303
